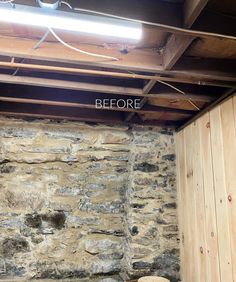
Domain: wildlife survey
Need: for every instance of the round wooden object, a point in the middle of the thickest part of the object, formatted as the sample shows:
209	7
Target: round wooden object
153	279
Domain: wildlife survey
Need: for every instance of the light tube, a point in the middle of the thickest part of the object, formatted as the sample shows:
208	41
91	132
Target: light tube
71	21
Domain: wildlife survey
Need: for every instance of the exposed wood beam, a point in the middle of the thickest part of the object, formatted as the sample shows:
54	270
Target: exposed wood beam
178	44
179	96
192	9
170	124
70	85
147	88
184	77
136	59
174	49
47	116
78	114
97	88
56	52
147	110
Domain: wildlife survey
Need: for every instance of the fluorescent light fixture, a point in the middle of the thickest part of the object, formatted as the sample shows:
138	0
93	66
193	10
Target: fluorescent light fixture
32	16
54	5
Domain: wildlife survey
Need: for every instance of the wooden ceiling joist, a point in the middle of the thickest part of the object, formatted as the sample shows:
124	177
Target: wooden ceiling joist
147	110
178	44
90	119
182	77
174	49
192	9
70	85
77	114
56	52
98	88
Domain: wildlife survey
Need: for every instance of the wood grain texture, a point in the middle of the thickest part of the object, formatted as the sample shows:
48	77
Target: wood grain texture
206	182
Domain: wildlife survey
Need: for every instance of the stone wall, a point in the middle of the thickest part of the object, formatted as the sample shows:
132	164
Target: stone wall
151	206
96	203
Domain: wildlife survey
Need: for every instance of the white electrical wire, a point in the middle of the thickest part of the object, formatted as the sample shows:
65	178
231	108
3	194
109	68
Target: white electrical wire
175	88
67	4
180	91
79	50
163	26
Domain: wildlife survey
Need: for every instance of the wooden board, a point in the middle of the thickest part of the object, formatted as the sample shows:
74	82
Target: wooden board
212	254
221	196
206	199
229	144
193	274
199	203
204	48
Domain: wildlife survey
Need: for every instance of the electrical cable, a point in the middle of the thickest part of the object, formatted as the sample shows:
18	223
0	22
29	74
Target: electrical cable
177	89
180	91
36	46
67	4
79	50
17	69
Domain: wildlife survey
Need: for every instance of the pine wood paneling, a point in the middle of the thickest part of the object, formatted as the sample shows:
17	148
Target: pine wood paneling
206	174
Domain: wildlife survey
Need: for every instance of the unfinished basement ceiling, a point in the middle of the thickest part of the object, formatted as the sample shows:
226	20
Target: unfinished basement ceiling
176	74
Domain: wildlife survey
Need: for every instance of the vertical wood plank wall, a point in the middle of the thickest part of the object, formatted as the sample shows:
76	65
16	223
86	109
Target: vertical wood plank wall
206	174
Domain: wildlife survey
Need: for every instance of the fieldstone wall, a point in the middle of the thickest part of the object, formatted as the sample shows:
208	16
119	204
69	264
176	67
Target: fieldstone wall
152	235
95	203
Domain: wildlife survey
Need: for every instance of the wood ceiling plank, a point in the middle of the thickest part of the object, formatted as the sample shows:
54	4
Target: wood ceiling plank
211	65
181	97
222	49
167	116
179	104
140	60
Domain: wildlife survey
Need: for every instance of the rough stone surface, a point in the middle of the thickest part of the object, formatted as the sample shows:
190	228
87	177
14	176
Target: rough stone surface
151	224
86	203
